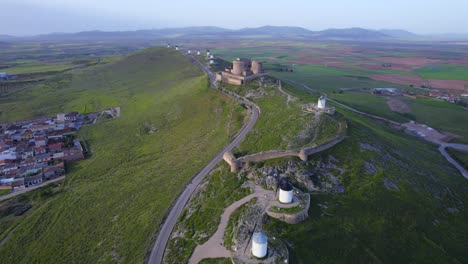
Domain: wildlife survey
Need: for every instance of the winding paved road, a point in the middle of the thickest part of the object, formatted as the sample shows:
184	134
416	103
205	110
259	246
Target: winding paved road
452	161
163	236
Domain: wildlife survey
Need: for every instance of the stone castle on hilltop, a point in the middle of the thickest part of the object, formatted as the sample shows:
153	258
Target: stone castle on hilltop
243	71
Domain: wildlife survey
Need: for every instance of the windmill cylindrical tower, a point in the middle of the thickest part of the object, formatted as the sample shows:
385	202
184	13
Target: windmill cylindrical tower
322	102
259	245
285	192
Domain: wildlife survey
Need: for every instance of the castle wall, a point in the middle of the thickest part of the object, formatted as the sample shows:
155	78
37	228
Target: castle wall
320	148
272	154
303	154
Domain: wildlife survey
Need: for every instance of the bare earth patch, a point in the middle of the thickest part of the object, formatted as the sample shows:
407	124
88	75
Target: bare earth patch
448	84
415	80
425	132
398	105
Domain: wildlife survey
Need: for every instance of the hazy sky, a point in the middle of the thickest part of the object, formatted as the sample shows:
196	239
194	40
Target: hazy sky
27	17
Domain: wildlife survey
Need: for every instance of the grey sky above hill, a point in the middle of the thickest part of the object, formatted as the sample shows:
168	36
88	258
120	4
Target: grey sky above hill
30	17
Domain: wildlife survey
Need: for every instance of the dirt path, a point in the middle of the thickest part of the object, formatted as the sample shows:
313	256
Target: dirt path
290	98
214	248
317	125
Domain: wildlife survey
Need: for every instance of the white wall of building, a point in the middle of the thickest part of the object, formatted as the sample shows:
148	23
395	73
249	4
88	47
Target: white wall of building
285	196
322	102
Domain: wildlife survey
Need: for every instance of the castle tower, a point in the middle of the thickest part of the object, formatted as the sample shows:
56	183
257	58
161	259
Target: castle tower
237	67
257	67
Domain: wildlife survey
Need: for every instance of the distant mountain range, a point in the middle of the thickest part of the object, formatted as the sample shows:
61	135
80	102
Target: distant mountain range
272	32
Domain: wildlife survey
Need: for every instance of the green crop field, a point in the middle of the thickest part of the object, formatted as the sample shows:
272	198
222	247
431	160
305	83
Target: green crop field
328	80
368	103
444	72
110	206
441	115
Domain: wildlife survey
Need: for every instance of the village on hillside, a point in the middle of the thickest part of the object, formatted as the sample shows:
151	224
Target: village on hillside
35	151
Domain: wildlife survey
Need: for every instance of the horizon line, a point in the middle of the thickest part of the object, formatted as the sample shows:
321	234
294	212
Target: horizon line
233	29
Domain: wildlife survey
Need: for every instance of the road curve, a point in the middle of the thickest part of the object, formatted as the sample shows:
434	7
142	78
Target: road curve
452	161
157	252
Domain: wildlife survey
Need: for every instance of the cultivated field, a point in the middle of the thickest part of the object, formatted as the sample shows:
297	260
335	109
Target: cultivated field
346	72
443	67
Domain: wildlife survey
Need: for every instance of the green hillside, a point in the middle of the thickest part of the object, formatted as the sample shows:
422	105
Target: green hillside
110	206
410	210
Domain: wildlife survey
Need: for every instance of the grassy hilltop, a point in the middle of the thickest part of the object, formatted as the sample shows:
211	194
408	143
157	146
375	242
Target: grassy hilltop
110	206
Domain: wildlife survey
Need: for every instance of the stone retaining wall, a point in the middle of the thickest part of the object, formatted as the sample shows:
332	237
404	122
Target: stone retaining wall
292	218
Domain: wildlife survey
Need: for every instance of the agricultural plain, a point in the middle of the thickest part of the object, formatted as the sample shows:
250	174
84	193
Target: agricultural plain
347	72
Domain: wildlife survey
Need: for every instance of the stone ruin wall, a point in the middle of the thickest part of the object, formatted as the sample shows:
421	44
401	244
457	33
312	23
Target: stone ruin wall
238	163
